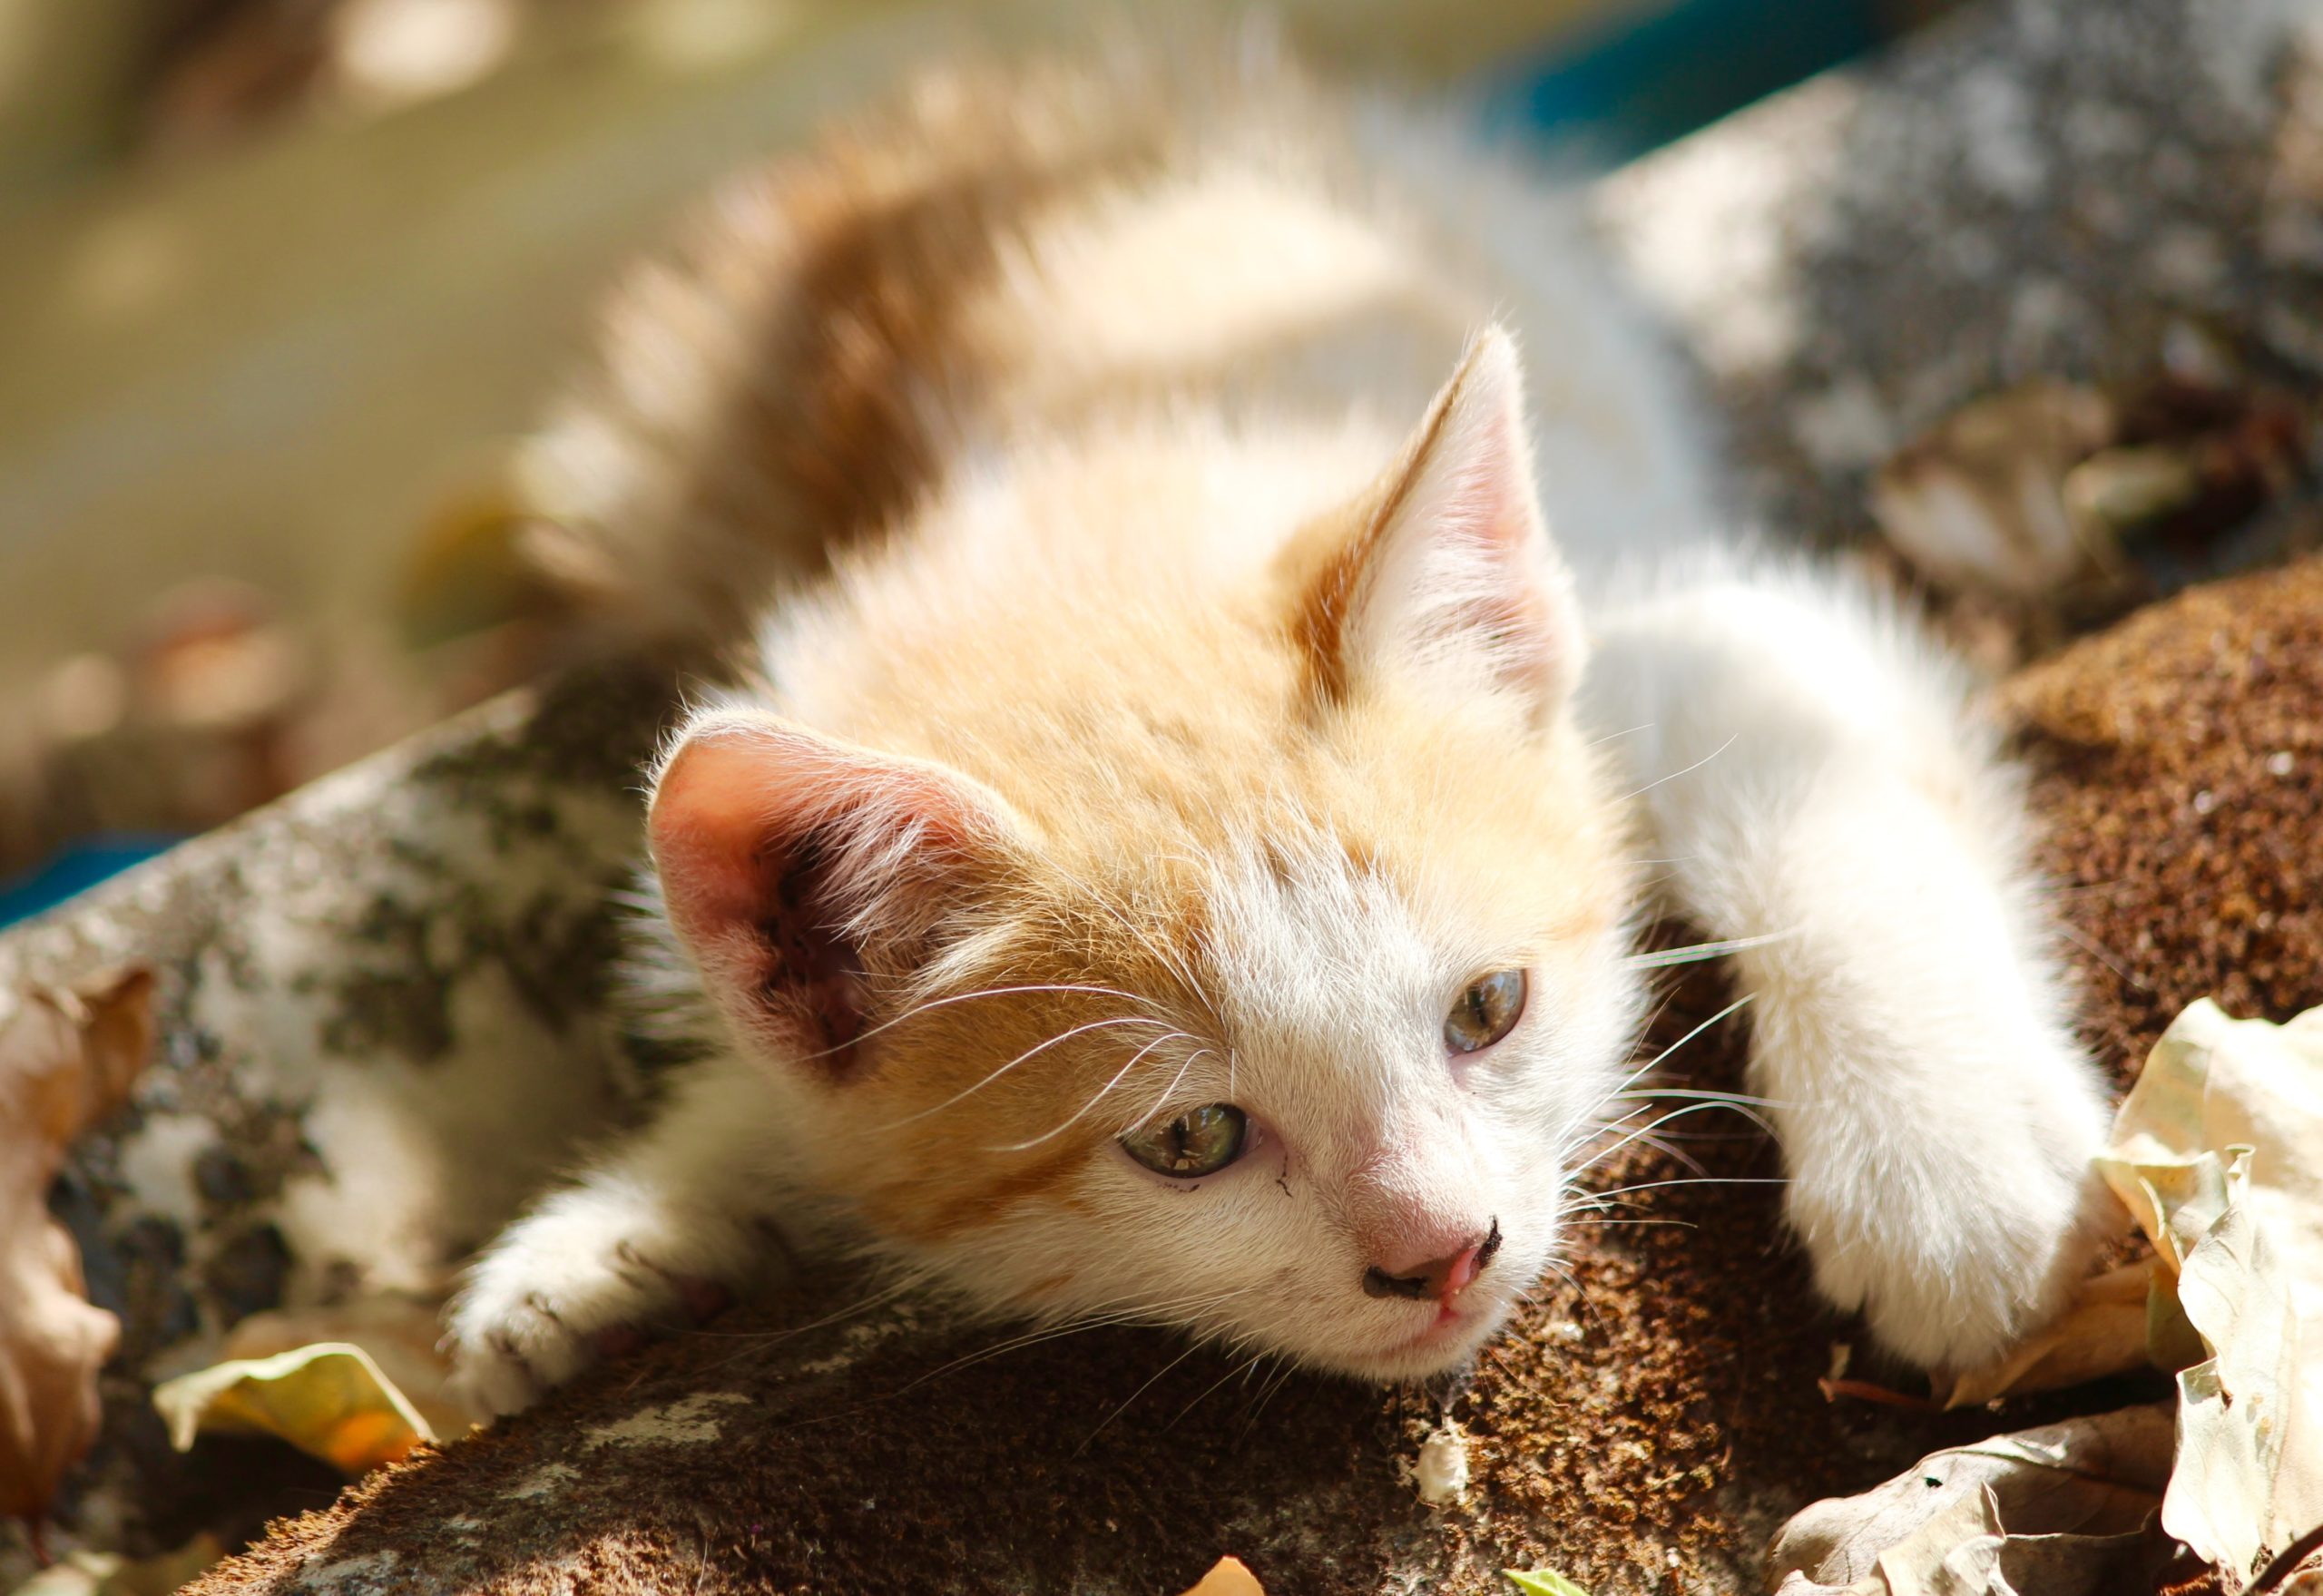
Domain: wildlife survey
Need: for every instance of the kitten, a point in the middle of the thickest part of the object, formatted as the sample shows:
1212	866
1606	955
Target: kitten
1180	859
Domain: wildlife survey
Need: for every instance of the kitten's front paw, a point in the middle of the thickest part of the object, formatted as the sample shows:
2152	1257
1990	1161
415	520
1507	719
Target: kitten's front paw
1961	1223
565	1289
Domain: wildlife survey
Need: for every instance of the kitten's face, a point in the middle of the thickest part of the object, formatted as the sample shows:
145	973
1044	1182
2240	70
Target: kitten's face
1282	1025
1304	1070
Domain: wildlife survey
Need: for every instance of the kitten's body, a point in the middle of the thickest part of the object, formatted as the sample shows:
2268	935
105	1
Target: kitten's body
1178	727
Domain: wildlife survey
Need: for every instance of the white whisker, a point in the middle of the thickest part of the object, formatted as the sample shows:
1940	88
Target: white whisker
1030	1053
1698	952
1688	770
1103	1092
920	1008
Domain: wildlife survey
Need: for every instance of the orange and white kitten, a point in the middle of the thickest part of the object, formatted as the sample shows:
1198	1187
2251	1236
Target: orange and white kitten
1179	858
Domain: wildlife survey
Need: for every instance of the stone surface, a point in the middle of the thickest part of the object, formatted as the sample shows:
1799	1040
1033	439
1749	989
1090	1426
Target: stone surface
2085	190
358	979
381	1007
1644	1427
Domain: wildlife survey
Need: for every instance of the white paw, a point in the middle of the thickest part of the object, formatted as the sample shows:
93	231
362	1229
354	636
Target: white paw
1958	1221
590	1275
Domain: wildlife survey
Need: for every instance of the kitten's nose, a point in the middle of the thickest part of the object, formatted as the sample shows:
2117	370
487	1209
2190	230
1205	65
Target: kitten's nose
1442	1279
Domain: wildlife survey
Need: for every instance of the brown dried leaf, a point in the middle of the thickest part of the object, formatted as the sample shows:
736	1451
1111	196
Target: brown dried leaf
2104	1333
67	1058
2071	1498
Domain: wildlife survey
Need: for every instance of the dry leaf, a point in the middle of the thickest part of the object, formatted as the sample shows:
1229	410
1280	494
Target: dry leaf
399	1334
1978	504
2066	1502
2104	1333
329	1399
67	1058
1228	1577
2219	1151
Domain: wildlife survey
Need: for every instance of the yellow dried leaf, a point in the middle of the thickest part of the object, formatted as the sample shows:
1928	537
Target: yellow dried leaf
67	1057
399	1334
1227	1577
329	1399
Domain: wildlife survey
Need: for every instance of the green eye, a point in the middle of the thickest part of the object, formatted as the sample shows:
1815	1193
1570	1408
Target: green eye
1199	1143
1486	1012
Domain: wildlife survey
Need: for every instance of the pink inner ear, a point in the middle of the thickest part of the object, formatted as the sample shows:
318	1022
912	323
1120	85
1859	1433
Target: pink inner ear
1458	567
768	841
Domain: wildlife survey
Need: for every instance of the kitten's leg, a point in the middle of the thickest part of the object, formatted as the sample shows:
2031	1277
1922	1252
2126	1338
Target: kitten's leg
679	1214
1811	774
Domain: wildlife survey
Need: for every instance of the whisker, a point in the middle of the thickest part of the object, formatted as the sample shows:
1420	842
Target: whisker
1698	1180
1696	953
1653	1064
1192	1347
1242	1368
1736	1097
918	1009
1184	1065
1674	1114
1688	770
2097	949
1030	1053
1103	1092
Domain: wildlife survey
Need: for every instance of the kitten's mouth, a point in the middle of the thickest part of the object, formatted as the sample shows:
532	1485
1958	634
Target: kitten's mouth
1455	1325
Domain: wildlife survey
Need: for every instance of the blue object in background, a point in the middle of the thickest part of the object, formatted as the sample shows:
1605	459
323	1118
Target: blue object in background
74	870
1637	82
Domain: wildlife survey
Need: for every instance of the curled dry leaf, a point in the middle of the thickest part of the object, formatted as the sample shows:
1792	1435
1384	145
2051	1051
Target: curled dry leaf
1978	503
2104	1333
399	1334
2219	1151
2037	492
329	1400
67	1057
2058	1510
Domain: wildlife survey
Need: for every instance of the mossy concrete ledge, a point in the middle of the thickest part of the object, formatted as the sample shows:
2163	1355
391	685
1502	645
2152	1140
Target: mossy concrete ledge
383	1000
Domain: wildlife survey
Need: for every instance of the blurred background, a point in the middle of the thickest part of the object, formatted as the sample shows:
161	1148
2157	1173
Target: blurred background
281	281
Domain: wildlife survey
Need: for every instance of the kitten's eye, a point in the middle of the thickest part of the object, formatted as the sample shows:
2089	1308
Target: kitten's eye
1200	1143
1486	1012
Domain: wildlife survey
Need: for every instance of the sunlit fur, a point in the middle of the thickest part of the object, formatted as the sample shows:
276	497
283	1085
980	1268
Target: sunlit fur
1187	713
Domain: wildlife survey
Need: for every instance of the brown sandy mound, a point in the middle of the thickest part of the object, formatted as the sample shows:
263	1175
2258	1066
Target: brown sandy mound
1645	1428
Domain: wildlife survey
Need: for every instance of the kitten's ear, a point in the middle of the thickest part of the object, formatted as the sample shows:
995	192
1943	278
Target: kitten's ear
792	863
1450	578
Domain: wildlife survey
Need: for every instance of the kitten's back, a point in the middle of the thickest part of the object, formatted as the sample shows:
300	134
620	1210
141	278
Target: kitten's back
997	251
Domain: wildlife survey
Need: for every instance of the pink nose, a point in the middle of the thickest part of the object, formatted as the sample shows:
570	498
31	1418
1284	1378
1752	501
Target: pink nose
1442	1279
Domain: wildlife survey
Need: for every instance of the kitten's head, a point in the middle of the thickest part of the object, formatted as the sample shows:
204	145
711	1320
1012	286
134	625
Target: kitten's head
1254	965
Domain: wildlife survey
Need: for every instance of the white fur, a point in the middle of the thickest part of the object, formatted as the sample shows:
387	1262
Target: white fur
1817	785
694	1197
